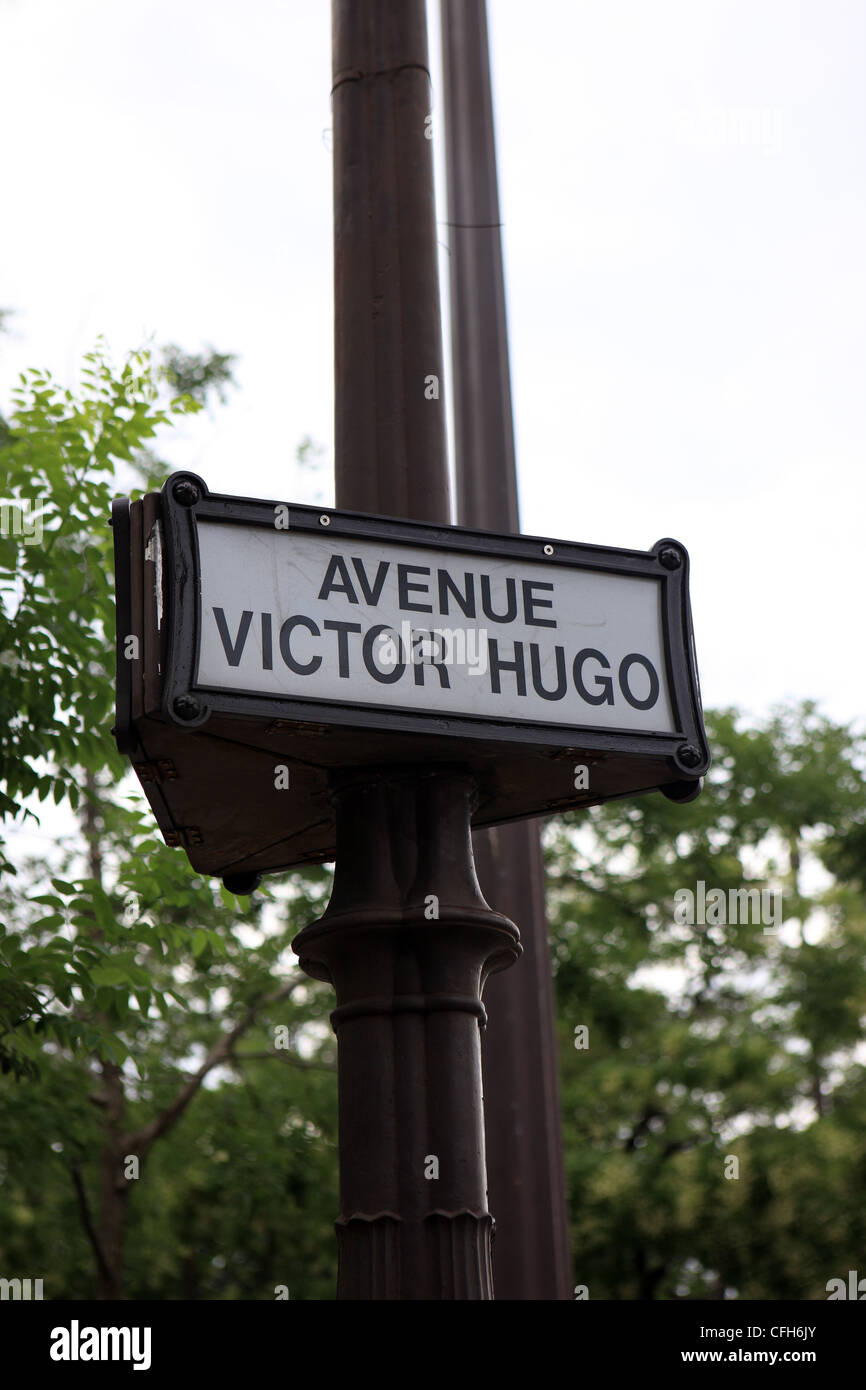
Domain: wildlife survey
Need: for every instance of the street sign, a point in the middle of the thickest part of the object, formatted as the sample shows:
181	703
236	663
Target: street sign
263	647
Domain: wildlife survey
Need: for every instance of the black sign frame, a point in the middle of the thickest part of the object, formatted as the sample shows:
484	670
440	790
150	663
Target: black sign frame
189	704
206	757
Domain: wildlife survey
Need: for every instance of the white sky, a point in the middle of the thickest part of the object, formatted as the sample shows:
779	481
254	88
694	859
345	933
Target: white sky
684	196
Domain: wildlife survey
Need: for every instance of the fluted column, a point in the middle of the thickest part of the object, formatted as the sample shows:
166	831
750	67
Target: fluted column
407	942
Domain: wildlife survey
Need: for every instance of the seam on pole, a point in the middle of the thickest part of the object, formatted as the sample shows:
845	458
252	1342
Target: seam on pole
409	1003
356	75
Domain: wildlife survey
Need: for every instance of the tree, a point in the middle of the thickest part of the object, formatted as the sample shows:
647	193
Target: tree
711	1041
128	981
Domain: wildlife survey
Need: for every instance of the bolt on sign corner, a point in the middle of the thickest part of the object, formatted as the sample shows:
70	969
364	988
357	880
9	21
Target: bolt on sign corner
263	648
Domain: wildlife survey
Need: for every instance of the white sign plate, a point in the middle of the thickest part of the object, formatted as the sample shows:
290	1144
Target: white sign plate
298	615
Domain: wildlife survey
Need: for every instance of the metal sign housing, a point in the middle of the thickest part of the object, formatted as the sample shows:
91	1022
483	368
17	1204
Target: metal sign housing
254	636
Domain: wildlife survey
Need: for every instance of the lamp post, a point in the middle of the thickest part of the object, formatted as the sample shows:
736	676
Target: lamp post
407	940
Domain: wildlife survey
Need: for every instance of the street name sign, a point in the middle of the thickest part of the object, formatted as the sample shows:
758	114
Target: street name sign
263	648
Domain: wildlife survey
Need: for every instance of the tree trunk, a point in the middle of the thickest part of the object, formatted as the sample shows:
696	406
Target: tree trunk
113	1188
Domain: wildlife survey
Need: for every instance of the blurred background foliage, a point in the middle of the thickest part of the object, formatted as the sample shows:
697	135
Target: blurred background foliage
147	1012
715	1041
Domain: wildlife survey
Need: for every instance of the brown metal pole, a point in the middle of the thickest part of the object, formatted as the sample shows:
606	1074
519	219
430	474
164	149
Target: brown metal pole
407	940
391	453
414	1222
521	1085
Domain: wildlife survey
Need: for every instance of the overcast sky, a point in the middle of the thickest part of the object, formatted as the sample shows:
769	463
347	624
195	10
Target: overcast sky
683	188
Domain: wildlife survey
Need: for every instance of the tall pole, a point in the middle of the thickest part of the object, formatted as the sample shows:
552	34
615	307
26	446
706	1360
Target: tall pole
390	448
407	939
521	1087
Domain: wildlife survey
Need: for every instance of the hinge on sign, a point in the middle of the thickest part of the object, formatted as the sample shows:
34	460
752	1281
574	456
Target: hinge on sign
162	771
193	835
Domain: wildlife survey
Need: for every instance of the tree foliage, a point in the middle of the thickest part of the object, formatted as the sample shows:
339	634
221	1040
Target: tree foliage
714	1041
128	981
